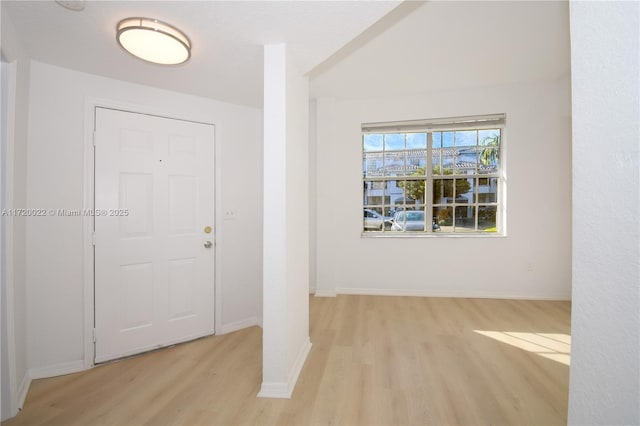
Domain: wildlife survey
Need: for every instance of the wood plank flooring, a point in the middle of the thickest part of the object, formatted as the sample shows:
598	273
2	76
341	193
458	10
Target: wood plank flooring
374	361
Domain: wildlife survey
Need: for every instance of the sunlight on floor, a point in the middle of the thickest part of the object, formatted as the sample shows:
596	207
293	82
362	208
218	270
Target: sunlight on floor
554	346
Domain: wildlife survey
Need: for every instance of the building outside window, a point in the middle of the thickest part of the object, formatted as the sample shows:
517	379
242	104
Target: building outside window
441	176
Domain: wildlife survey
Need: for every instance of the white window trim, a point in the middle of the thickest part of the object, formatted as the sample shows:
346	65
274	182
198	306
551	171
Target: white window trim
490	121
429	126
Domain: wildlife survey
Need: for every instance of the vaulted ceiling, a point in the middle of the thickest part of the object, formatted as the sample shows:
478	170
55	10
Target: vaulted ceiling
227	39
450	45
358	49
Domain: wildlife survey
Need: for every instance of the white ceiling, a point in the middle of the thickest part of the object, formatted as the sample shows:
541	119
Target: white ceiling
351	49
445	45
227	38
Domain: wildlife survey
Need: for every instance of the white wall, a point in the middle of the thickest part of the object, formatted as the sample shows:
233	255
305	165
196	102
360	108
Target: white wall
297	157
533	261
55	180
5	385
313	184
274	334
15	164
605	342
286	223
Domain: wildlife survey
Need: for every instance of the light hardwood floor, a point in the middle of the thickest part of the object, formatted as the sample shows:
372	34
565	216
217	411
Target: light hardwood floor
375	361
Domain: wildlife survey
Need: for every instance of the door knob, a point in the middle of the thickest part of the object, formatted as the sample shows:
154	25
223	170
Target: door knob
208	244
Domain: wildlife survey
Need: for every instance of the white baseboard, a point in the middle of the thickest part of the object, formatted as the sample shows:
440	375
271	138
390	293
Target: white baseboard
274	390
23	390
57	369
432	293
299	363
239	325
282	389
325	293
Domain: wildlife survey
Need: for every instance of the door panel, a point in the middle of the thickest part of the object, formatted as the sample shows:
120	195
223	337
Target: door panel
136	192
183	202
154	191
136	283
182	288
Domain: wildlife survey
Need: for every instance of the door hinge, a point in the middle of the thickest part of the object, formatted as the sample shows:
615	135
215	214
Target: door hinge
94	138
93	238
93	336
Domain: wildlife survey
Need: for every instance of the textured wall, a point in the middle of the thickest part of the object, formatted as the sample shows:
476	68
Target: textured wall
605	359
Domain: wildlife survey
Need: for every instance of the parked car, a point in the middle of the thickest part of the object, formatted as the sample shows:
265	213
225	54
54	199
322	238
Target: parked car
373	221
410	220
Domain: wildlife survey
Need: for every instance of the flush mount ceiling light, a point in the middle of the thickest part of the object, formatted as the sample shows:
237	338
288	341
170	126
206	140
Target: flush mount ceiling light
153	41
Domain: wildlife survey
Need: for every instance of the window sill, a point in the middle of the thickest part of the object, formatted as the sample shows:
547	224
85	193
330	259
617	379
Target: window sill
428	235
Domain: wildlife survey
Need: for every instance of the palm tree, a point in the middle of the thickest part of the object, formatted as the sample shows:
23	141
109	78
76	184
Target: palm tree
491	152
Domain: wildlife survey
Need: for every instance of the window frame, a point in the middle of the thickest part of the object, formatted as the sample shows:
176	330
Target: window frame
428	206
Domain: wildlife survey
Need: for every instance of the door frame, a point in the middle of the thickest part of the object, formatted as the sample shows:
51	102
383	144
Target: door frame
16	395
90	105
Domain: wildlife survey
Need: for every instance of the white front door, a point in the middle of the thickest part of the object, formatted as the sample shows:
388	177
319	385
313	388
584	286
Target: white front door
154	214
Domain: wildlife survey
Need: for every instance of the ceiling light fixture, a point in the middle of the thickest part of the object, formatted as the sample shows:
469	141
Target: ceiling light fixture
153	41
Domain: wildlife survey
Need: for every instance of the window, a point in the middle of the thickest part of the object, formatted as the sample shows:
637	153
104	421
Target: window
440	176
